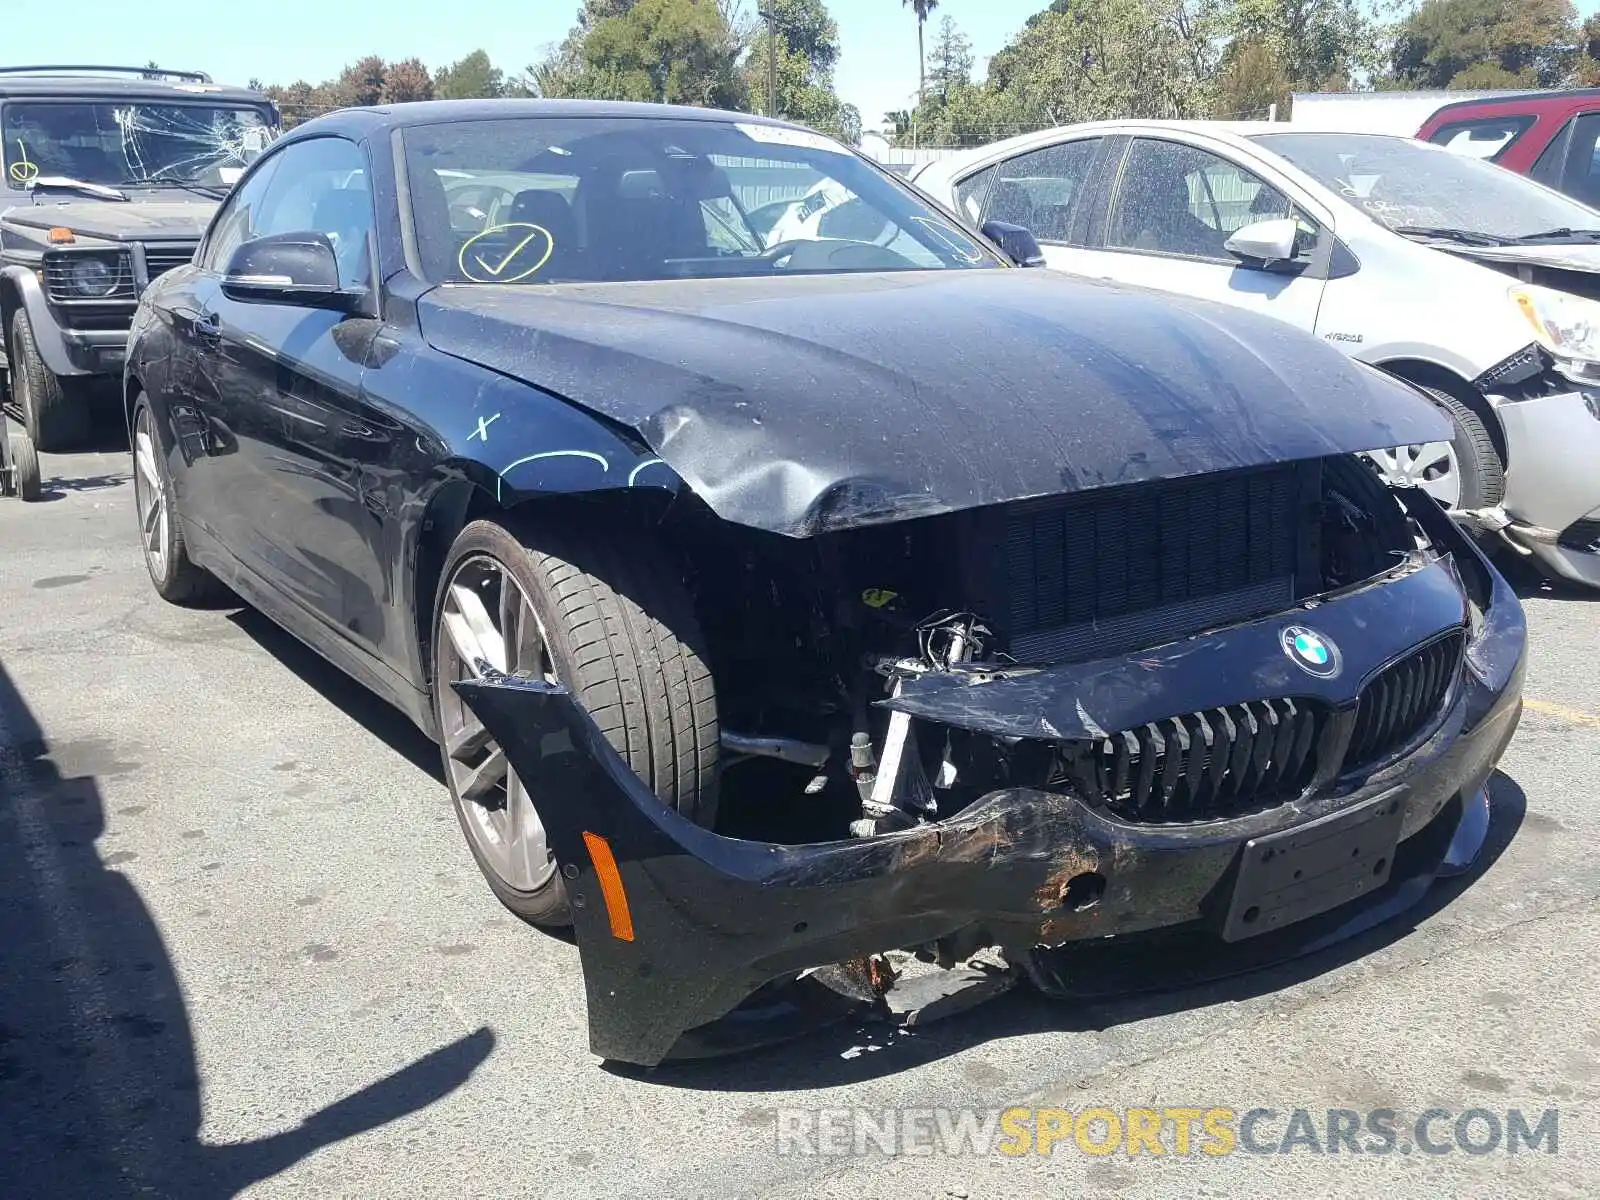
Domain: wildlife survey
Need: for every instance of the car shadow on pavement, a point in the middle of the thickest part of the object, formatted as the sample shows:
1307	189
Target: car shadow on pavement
839	1055
1530	583
99	1089
380	718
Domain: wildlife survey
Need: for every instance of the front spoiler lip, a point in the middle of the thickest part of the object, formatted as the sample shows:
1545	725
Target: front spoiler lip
716	919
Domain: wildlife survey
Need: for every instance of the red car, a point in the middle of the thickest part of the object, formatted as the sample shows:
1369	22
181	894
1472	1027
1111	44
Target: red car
1550	136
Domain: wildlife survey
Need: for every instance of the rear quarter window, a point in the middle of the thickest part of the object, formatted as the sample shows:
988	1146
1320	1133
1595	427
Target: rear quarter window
1482	137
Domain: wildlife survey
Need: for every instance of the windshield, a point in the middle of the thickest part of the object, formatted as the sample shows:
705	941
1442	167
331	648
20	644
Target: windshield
120	145
1402	183
559	200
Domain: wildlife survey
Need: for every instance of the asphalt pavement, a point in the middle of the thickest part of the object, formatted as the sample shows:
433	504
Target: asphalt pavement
243	950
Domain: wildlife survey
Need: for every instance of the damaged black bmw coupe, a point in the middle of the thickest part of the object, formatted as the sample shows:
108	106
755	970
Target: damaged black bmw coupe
789	579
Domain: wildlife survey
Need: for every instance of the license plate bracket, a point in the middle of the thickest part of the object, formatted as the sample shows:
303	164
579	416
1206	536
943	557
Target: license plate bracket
1297	873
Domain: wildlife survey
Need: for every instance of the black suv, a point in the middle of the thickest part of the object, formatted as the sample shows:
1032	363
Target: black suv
108	177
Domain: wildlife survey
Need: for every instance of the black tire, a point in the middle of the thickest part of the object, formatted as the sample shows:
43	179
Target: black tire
24	468
176	578
54	414
1483	475
621	633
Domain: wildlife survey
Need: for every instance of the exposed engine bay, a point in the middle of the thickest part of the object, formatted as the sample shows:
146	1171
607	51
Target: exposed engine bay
809	636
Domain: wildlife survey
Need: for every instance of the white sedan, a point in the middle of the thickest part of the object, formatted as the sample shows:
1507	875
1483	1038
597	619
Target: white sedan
1469	281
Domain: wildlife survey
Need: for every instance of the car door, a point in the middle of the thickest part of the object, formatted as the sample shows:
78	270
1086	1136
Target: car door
184	386
1046	190
1172	209
304	510
1571	164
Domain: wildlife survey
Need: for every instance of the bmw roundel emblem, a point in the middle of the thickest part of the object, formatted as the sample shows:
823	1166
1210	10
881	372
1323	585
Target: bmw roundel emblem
1311	651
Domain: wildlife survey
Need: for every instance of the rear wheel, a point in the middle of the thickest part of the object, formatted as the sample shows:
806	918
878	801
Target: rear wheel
602	614
55	416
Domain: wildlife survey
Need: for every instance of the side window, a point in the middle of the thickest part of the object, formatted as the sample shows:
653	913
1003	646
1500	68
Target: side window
1581	179
236	222
1177	199
321	186
1486	137
1547	169
971	193
1040	189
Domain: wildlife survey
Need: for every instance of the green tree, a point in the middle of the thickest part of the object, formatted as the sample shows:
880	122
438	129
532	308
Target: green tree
1589	56
808	29
1098	59
406	81
668	51
955	111
922	8
359	84
470	78
1318	44
952	59
971	115
1251	81
1483	43
806	49
298	102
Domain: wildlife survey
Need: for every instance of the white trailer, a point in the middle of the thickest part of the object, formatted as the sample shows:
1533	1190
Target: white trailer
1401	113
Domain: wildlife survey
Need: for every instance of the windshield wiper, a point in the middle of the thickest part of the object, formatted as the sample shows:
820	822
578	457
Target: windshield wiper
62	183
209	190
1467	237
1558	235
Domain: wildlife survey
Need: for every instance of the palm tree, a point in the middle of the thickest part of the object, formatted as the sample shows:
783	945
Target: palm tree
922	8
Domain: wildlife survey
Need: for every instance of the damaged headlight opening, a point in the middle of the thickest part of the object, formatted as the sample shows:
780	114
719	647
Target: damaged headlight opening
1568	326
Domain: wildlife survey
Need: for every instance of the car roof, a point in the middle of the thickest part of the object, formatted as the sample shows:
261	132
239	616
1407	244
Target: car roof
1241	134
380	119
1537	101
64	83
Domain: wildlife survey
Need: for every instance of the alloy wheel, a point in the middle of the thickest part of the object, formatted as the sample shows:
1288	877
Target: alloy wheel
1431	466
150	499
487	623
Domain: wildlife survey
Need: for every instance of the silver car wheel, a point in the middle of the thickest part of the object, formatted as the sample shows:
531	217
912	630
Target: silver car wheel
488	623
1431	466
150	499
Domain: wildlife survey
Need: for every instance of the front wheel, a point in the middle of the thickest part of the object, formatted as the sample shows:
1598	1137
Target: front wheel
24	468
55	415
605	615
1464	473
166	555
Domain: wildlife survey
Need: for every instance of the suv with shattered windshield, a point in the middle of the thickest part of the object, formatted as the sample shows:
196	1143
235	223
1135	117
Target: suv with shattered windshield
108	176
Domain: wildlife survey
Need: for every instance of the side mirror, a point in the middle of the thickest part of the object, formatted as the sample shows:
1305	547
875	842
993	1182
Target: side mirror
289	268
1017	242
1270	244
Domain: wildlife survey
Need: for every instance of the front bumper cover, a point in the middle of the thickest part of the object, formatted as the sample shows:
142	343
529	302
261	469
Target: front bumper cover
711	920
67	352
1551	482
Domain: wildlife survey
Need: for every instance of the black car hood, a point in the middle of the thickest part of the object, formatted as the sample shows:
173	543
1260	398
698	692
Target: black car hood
811	403
120	221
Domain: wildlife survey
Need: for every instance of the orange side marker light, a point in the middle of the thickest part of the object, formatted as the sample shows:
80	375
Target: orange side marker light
605	869
61	236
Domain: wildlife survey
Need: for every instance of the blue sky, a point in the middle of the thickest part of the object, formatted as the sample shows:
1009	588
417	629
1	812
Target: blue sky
281	40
